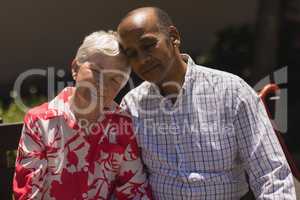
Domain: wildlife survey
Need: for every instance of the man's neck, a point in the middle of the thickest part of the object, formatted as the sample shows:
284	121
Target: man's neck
174	81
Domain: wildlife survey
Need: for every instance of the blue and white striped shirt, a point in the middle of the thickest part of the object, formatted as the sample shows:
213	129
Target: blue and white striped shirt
201	146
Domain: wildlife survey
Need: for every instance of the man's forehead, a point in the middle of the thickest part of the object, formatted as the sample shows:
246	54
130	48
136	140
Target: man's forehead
138	24
139	19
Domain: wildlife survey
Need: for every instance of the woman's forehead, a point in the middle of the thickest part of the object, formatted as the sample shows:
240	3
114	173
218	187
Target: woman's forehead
108	62
109	66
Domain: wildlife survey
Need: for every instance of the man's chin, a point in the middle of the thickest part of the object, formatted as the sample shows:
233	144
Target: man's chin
156	81
152	79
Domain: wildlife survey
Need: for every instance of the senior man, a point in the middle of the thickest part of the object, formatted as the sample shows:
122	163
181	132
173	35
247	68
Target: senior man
200	130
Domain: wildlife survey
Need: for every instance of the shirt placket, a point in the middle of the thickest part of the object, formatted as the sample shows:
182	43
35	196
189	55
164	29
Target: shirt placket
175	135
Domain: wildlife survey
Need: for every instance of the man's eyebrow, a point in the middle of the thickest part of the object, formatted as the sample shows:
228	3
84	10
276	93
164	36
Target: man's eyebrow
123	49
127	50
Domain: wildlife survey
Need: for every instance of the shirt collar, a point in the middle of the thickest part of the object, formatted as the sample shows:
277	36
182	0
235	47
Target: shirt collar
189	71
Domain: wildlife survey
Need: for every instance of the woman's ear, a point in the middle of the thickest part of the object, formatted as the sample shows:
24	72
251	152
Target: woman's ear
74	68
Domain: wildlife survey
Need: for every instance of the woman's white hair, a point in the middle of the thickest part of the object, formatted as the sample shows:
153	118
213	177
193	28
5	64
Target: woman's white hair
98	42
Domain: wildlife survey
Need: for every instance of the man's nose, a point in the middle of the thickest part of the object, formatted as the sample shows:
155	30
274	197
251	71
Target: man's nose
144	57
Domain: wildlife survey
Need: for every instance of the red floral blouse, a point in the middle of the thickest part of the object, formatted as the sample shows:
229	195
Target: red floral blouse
60	158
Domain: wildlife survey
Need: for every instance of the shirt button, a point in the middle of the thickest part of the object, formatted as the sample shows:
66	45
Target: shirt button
86	168
84	195
193	177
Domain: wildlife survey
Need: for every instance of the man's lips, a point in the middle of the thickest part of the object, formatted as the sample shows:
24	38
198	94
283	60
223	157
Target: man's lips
148	69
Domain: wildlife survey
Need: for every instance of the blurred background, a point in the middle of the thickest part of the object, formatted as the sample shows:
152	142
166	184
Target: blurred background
252	39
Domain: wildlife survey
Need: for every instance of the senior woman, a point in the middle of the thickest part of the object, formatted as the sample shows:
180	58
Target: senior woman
81	145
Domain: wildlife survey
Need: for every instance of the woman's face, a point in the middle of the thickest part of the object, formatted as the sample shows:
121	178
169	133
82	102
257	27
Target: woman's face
101	77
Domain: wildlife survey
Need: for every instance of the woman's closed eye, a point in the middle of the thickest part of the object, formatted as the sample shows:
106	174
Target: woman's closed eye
96	74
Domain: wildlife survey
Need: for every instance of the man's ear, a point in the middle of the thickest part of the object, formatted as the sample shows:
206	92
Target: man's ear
174	36
74	68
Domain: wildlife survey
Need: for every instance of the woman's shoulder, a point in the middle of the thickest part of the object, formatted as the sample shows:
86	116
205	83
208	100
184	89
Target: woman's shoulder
41	112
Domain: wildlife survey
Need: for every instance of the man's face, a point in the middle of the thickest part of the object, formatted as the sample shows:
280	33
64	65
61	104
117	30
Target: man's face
102	77
148	49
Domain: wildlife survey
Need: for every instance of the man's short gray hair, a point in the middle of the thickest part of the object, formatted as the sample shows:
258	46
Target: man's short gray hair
102	42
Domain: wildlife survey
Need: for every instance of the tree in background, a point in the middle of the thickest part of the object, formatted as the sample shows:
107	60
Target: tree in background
233	51
266	39
255	51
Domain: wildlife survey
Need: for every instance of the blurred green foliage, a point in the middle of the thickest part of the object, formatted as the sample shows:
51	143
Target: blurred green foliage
13	113
233	50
